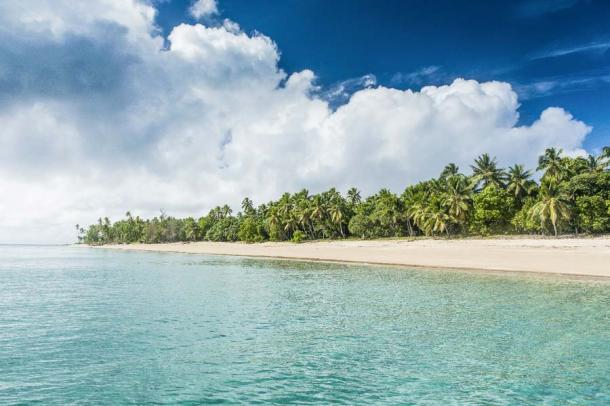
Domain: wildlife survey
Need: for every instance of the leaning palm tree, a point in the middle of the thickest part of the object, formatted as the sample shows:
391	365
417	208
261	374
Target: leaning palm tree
519	182
553	206
485	172
551	162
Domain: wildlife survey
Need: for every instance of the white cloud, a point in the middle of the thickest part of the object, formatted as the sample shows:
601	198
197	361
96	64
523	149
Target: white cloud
202	8
212	119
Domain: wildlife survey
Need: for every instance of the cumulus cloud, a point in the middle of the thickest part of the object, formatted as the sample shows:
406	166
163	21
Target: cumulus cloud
203	8
211	118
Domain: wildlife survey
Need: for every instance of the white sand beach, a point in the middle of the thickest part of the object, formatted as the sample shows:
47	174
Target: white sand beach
570	256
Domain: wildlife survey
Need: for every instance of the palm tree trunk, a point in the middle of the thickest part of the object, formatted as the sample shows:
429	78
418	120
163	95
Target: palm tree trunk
555	228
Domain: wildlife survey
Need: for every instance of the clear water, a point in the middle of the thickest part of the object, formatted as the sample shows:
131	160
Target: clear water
81	326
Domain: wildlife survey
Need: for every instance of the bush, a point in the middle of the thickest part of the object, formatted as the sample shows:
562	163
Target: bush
592	214
298	236
523	221
225	229
493	210
249	231
360	225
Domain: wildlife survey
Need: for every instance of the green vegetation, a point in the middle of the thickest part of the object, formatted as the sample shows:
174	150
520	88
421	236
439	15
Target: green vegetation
573	196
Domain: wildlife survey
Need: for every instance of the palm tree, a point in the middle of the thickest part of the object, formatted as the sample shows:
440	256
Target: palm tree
485	171
458	197
551	163
336	216
291	225
596	164
353	196
553	205
450	170
436	217
605	157
247	206
519	182
304	217
317	208
273	219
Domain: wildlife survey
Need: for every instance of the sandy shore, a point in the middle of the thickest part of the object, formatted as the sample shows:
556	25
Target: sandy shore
590	256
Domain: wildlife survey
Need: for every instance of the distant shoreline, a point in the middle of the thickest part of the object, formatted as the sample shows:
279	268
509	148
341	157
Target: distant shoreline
563	256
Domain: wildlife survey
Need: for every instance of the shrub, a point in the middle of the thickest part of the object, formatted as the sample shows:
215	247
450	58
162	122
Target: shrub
298	236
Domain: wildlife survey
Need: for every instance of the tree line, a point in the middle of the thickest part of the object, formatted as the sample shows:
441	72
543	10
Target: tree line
572	196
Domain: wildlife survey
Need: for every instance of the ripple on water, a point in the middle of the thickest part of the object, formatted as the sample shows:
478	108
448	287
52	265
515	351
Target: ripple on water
104	327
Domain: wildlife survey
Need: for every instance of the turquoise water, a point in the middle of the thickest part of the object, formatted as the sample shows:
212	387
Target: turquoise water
81	326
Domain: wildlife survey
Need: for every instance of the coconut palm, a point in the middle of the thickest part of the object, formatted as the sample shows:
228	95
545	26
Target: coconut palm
519	182
291	224
485	172
273	219
436	217
450	170
353	196
596	164
247	206
336	216
553	205
458	198
551	163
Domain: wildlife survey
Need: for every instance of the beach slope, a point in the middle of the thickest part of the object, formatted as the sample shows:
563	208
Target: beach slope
570	256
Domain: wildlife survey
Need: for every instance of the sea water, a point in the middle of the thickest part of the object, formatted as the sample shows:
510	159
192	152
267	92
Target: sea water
91	326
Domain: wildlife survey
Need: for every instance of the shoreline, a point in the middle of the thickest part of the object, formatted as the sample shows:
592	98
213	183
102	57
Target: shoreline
581	257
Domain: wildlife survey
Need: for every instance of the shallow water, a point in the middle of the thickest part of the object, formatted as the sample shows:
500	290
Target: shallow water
91	326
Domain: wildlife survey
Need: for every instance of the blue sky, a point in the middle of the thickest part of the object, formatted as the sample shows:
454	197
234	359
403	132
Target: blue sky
553	52
182	105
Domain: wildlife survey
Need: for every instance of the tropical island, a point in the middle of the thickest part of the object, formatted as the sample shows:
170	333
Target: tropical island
492	219
572	197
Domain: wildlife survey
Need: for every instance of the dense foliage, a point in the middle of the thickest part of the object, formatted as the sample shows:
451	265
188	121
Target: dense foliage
573	196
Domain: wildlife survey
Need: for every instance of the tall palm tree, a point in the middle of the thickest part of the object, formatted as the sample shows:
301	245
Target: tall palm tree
485	172
450	170
605	157
336	216
519	182
458	197
596	164
273	219
551	163
304	217
353	196
291	225
553	205
317	208
410	197
247	206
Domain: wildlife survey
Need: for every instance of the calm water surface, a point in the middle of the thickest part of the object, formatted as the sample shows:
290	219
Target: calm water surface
82	326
